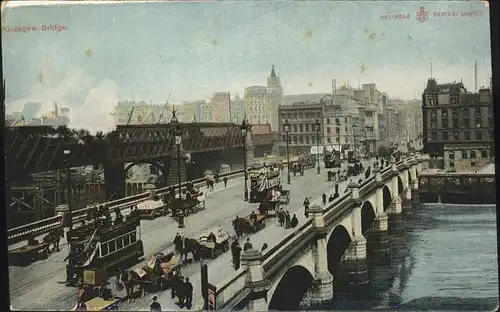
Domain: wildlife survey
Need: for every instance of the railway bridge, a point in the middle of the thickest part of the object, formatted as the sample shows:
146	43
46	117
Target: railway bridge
331	250
36	149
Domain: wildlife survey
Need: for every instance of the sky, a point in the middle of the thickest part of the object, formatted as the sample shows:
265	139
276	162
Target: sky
144	51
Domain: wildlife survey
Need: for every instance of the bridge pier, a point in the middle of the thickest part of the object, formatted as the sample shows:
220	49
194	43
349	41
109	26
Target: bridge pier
415	200
407	204
394	220
114	180
377	239
321	291
353	274
257	300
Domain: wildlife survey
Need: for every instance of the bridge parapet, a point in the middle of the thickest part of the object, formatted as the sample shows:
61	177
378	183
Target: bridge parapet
299	241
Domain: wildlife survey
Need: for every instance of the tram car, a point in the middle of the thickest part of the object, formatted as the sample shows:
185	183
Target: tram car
97	251
210	249
262	185
152	208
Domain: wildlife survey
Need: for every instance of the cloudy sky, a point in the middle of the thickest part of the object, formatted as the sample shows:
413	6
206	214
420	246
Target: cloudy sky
116	51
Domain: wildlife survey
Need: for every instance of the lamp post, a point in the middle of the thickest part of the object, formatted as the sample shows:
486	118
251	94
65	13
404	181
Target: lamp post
287	130
354	140
337	129
67	152
244	131
318	127
178	142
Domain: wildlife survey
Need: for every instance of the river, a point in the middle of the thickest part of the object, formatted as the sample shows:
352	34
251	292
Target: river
447	260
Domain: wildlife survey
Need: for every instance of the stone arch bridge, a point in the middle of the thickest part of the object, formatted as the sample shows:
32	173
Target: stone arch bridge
331	250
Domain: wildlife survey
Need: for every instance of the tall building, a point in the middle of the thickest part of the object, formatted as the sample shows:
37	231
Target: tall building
458	125
262	103
237	109
221	107
31	110
302	133
192	110
205	113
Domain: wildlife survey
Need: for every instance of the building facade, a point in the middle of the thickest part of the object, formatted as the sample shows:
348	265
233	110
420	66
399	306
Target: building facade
139	113
262	103
458	125
237	109
302	134
221	107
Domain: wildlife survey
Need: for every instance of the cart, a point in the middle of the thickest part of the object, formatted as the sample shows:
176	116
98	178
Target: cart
252	226
156	274
24	256
210	249
99	304
284	197
151	209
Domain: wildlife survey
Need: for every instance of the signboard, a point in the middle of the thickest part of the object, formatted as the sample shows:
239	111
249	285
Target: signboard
212	297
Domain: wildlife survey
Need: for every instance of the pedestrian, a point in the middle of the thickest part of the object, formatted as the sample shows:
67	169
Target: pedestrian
247	245
331	198
181	293
324	199
188	288
281	217
287	220
225	181
236	252
306	207
294	222
264	247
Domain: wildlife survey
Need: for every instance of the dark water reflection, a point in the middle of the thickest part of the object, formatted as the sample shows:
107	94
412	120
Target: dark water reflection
446	260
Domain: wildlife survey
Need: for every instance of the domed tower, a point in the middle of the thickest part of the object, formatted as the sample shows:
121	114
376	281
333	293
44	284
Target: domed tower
273	81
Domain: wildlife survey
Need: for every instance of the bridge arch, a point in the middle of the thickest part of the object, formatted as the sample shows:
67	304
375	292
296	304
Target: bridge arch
400	185
367	216
337	244
410	178
291	289
387	197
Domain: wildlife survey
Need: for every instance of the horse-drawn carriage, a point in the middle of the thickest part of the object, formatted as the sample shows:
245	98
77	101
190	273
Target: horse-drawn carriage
192	202
250	224
158	273
213	246
152	208
261	185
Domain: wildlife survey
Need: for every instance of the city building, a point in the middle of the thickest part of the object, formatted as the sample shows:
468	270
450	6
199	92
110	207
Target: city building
221	107
370	104
137	113
205	112
458	125
31	110
192	110
302	133
237	109
262	103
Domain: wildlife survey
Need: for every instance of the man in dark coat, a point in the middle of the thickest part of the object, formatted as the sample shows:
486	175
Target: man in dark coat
324	198
188	288
236	252
247	245
155	306
177	243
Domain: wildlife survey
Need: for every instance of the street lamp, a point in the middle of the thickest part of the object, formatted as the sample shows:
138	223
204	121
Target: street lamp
178	141
67	152
354	139
244	131
318	127
287	130
337	129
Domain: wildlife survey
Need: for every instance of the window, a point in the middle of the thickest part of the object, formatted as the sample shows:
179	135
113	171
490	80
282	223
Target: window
451	155
337	121
490	122
345	140
328	121
479	123
337	140
473	163
465	112
445	135
464	154
454	123
301	139
346	130
337	130
452	164
454	113
301	128
119	243
484	154
307	140
477	111
345	119
465	123
479	135
328	130
453	100
490	111
444	113
313	140
112	246
434	136
456	135
472	154
433	114
433	123
492	135
104	249
466	135
307	127
329	140
301	115
294	128
444	123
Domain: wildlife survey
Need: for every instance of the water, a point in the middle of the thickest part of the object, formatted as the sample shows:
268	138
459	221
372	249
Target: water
447	260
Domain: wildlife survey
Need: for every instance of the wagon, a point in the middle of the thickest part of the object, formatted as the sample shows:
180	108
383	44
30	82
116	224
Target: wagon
211	249
186	205
99	304
151	209
284	197
253	226
154	276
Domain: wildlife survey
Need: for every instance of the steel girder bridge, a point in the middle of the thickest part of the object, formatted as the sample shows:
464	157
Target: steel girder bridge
34	149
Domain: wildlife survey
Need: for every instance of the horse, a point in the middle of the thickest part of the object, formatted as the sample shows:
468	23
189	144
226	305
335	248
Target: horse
190	246
53	238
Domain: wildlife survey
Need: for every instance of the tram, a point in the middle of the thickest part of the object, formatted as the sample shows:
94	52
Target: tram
96	250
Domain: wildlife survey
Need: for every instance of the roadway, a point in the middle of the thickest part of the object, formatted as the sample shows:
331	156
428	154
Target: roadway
36	287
